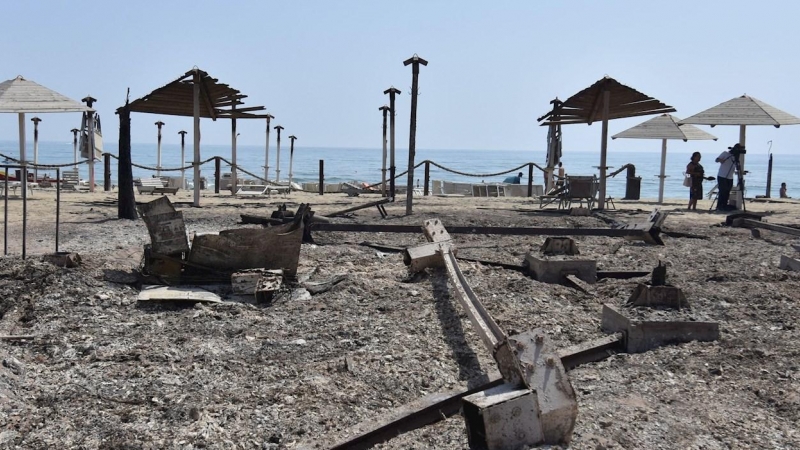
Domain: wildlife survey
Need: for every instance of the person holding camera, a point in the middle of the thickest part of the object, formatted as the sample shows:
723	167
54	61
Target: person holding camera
725	176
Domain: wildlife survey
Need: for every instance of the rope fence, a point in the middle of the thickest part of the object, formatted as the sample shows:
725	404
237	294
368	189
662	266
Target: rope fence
273	183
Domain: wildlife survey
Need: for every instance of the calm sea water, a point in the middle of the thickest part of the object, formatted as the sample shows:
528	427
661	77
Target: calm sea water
344	164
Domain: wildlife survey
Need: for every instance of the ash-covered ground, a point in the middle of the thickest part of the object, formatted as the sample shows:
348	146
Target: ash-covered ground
104	371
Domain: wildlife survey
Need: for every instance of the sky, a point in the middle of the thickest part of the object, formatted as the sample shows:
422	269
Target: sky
320	67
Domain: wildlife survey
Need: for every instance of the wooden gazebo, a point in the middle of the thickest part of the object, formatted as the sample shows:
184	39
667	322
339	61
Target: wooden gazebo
604	100
194	94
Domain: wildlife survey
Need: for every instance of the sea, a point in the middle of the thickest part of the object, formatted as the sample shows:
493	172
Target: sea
364	165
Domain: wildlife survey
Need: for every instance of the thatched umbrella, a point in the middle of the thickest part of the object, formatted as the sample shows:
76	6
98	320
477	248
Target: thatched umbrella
664	127
605	100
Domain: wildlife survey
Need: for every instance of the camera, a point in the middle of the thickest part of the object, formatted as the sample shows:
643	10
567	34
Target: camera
737	150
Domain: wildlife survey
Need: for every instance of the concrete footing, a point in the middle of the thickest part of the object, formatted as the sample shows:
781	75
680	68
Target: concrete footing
641	336
554	270
511	416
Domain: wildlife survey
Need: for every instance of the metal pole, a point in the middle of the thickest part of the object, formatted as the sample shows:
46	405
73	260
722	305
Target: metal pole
24	214
266	151
107	172
415	61
663	175
321	177
278	161
385	110
234	174
530	180
35	121
75	146
159	124
196	112
604	150
183	158
217	173
426	192
391	91
58	204
5	216
769	176
291	158
742	139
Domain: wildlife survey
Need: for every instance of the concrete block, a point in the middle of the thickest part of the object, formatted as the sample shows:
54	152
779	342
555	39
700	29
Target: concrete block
642	336
503	417
788	263
423	256
554	270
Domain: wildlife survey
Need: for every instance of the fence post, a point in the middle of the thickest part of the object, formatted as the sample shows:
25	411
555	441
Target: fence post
216	174
58	202
107	172
427	177
530	179
321	177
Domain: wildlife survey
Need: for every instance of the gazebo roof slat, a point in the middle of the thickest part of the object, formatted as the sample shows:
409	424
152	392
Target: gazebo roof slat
586	105
177	97
743	110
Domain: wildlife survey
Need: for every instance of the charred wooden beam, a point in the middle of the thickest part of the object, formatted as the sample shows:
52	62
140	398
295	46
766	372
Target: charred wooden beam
750	223
507	231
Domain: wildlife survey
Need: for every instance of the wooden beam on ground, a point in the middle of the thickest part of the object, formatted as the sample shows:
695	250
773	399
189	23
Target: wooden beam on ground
592	351
750	223
507	231
363	206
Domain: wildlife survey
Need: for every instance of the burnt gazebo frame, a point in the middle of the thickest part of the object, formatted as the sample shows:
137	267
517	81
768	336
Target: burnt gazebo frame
194	94
605	100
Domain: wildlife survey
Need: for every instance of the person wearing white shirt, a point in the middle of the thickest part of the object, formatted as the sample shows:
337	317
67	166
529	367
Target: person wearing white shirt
725	178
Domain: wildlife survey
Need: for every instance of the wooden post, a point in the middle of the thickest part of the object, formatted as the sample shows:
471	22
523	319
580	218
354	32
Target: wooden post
35	121
75	146
89	100
159	124
278	160
385	110
107	172
742	139
392	91
321	177
58	204
530	179
426	192
234	174
415	61
291	158
126	207
183	158
662	176
266	152
769	177
217	174
196	113
604	150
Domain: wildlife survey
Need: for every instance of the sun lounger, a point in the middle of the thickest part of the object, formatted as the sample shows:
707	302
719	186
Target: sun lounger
155	186
252	189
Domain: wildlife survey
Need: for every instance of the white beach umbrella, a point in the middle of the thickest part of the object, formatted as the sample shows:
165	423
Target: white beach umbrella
23	96
742	111
664	127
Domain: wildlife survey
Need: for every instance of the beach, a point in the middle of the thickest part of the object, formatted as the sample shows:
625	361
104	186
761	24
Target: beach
105	371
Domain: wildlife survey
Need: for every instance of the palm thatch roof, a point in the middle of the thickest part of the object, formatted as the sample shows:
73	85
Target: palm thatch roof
664	126
24	96
217	100
743	110
587	105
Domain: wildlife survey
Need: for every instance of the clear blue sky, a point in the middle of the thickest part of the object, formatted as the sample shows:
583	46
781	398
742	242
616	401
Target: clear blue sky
321	66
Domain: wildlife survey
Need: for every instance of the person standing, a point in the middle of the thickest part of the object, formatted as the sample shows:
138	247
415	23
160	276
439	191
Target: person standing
725	178
695	171
514	179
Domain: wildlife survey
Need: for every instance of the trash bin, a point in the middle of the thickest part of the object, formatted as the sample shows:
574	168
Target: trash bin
633	185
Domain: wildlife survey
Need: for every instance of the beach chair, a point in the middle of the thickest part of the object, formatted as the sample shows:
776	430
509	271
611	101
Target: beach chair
252	189
71	180
155	186
580	188
557	194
